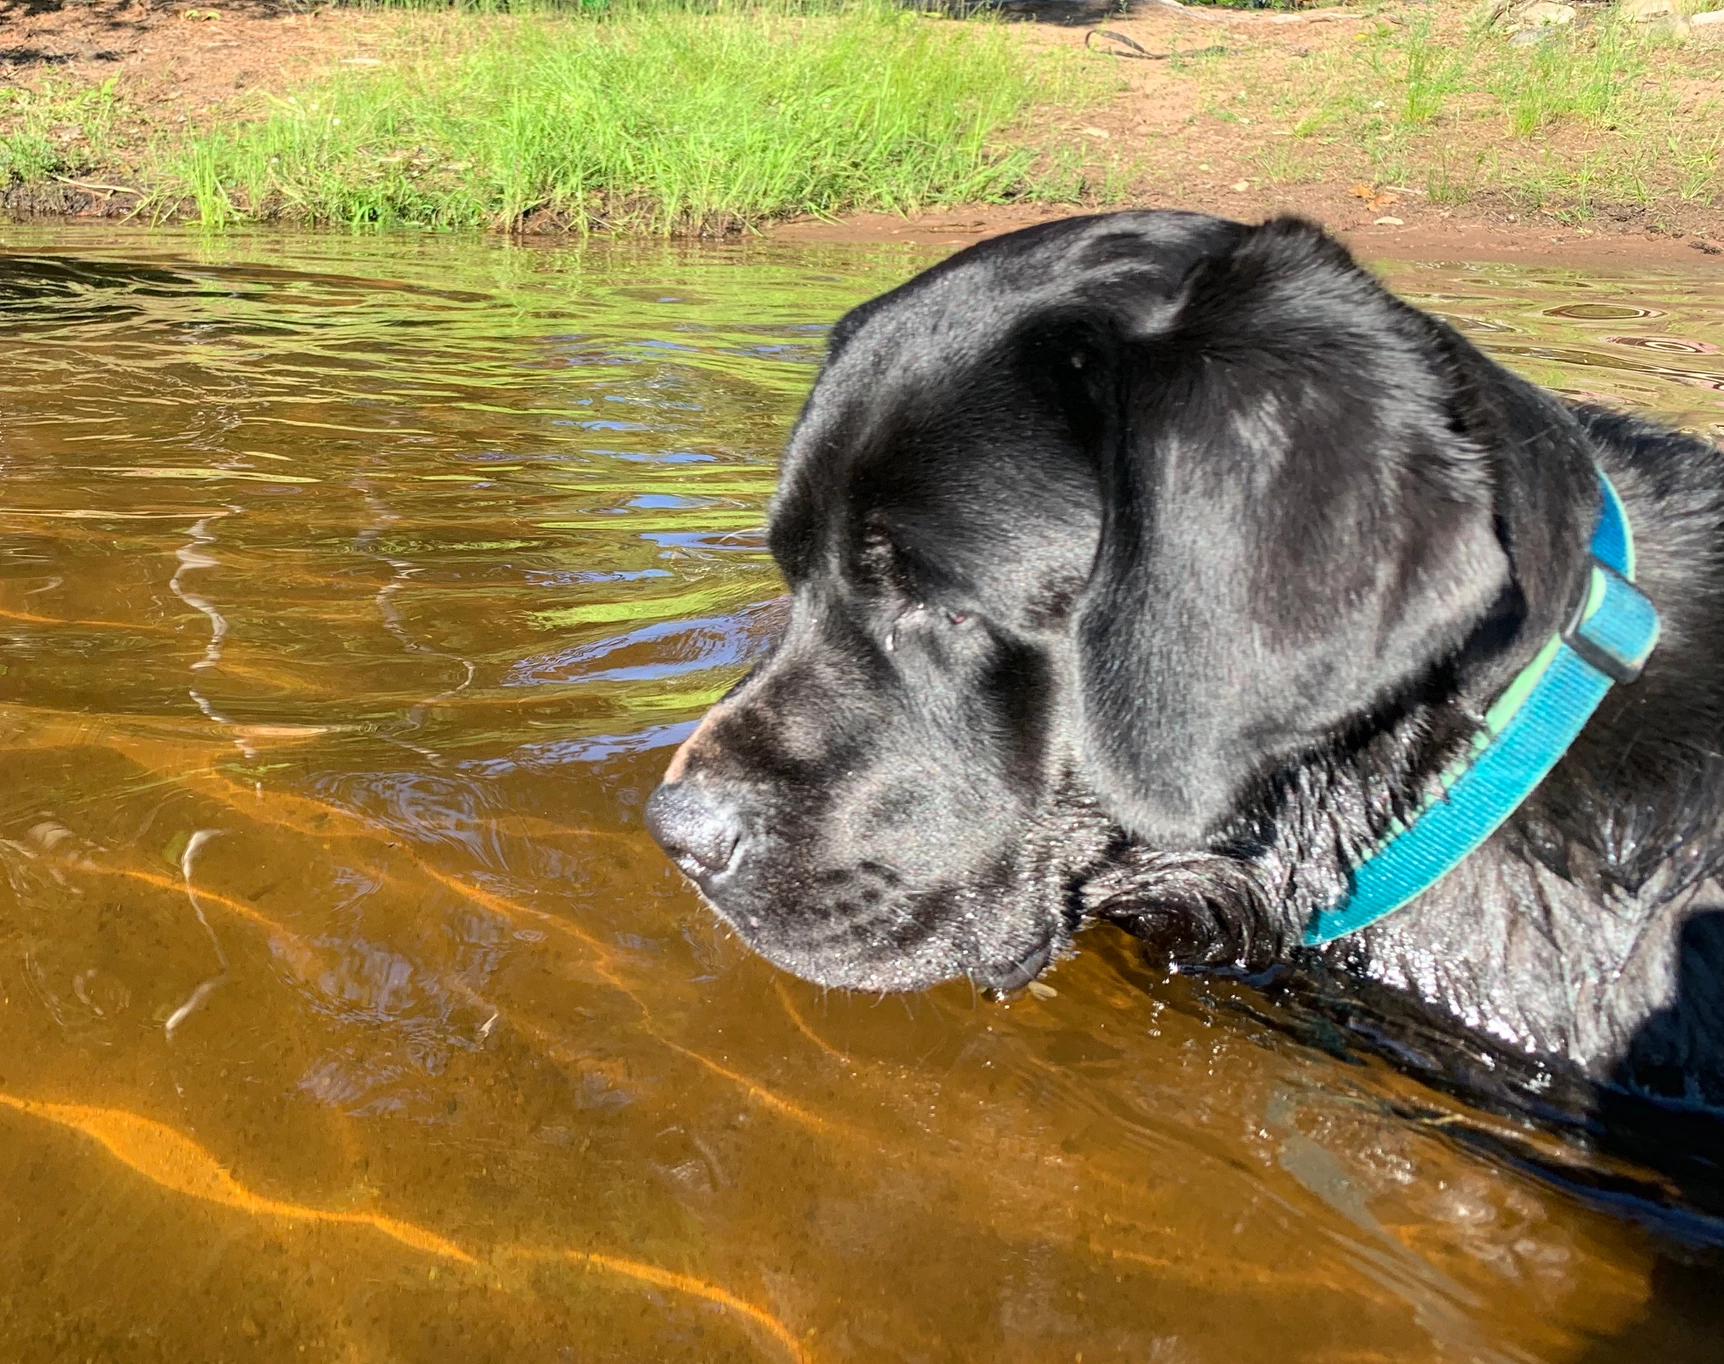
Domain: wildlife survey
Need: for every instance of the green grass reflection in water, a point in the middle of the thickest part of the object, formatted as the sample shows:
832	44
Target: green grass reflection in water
397	565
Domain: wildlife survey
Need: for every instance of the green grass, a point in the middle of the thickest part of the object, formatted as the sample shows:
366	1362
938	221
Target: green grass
54	131
1589	115
1568	76
685	118
710	115
1427	71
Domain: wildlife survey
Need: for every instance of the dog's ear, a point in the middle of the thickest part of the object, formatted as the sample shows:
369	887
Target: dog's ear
1297	527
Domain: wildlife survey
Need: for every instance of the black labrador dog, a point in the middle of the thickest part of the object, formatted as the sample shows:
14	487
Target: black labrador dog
1157	568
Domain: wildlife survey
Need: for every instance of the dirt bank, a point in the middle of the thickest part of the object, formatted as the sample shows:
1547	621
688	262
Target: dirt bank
1229	134
1206	114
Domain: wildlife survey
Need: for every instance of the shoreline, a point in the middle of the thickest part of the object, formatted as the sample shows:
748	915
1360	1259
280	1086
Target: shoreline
1171	131
1469	237
1454	237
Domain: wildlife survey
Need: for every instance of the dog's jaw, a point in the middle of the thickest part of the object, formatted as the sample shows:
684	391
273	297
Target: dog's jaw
870	958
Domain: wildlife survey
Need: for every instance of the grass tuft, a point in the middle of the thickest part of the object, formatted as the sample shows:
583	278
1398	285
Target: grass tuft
670	118
1430	72
54	130
1568	76
1589	115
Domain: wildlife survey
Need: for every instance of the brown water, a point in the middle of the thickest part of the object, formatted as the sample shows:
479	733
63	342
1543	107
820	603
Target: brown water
352	594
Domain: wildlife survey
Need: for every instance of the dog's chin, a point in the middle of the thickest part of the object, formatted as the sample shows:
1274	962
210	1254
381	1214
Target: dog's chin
842	959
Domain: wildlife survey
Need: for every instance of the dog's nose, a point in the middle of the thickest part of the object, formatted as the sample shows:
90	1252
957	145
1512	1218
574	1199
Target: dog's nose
695	826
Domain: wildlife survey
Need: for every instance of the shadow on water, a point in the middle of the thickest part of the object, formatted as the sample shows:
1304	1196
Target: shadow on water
1646	1146
1066	13
1074	13
1682	1321
115	15
1658	1119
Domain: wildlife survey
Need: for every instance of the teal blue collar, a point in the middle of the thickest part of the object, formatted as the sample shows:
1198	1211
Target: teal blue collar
1607	640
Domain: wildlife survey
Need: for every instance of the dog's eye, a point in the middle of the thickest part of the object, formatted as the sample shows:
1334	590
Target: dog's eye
1079	359
922	611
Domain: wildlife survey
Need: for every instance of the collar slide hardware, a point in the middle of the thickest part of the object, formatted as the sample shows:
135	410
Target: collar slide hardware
1609	627
1606	641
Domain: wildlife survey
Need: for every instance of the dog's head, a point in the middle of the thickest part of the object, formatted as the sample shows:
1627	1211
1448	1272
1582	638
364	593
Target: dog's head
1088	530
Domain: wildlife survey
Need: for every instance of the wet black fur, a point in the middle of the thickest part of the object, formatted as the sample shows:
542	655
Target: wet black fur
1145	567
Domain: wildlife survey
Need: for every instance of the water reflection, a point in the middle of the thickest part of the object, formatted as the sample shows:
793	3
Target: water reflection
351	595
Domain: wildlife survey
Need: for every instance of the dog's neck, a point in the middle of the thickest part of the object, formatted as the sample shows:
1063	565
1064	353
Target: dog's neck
1639	799
1631	813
